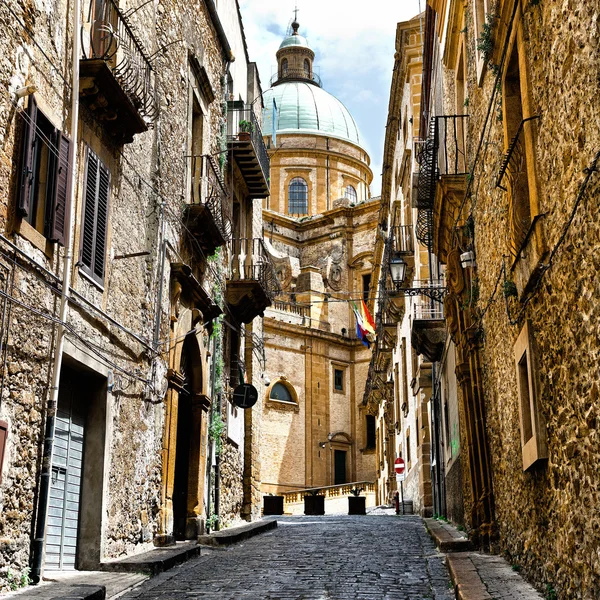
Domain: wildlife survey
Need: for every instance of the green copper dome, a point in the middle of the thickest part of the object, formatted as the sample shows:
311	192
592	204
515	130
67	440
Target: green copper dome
294	40
306	108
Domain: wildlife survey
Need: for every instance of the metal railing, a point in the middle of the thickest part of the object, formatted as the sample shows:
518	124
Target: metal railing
237	116
425	308
208	189
294	75
442	153
250	261
108	35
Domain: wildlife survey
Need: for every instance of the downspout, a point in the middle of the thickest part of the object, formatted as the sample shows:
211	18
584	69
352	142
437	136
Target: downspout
45	478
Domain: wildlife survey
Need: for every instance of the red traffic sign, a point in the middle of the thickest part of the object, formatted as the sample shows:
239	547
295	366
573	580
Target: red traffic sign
399	466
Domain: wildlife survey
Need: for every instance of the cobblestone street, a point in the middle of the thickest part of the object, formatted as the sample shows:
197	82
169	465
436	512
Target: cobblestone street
337	557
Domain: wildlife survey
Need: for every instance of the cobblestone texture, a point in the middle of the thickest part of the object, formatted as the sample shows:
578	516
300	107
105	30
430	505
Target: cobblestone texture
313	558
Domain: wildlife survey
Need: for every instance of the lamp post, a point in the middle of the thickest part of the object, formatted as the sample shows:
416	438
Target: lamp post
398	267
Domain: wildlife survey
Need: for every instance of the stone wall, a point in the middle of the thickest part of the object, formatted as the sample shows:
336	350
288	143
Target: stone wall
547	517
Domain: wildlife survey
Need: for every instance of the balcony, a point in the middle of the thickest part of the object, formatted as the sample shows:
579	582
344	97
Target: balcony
116	77
208	218
428	328
442	161
248	149
296	75
253	284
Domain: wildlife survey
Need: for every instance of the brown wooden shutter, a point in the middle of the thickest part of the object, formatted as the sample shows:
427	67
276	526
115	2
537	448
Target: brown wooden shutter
27	158
101	221
95	217
61	192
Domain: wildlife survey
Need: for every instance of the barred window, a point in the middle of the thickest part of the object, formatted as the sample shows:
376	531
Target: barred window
298	197
351	193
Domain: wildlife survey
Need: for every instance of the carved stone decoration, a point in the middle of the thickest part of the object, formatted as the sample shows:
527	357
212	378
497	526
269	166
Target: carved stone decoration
334	272
176	290
455	275
283	270
452	317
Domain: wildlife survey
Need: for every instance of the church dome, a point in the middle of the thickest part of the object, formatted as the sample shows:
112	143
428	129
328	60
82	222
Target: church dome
303	107
294	40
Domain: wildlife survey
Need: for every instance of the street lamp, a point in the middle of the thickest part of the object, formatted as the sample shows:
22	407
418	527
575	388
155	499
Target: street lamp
398	274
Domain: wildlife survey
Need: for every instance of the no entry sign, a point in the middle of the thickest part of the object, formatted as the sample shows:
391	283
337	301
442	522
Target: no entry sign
399	466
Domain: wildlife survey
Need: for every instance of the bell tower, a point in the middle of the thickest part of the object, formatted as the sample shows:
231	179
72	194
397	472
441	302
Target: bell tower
295	59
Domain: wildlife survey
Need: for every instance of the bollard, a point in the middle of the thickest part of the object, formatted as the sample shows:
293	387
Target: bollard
397	502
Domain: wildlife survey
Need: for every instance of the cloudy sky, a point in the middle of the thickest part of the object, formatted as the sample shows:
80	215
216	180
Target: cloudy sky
354	46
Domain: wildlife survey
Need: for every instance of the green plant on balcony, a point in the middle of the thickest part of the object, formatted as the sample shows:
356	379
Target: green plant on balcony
246	126
355	491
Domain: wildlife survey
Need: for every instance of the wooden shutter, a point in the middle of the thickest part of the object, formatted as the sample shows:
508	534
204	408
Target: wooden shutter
27	158
58	215
95	217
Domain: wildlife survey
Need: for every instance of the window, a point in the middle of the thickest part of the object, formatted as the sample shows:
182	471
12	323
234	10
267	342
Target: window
351	193
533	429
407	447
307	67
284	67
370	430
366	284
338	380
45	177
518	136
95	218
298	197
280	392
480	10
417	431
447	423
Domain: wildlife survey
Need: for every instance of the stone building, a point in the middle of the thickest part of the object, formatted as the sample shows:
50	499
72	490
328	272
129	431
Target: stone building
130	241
506	197
319	224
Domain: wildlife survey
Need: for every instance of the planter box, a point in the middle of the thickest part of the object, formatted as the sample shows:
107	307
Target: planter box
272	505
314	505
357	505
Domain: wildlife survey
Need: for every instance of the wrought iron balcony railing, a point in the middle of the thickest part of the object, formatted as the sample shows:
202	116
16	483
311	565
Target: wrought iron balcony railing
208	189
251	262
442	153
295	75
108	36
245	138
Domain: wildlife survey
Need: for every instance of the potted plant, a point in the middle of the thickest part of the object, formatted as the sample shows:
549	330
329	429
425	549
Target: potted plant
356	502
272	505
246	128
314	503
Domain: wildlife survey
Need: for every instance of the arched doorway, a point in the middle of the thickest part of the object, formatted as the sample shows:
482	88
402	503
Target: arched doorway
186	488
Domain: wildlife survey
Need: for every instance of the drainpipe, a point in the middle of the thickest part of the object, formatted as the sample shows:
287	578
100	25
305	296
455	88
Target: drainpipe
45	478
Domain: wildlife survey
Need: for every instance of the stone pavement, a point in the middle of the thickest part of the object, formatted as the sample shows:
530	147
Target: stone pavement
340	557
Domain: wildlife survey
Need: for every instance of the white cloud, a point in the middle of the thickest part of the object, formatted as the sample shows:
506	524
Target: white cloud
354	46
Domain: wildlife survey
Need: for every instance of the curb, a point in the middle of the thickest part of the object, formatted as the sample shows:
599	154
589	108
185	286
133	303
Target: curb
447	538
64	592
236	534
467	582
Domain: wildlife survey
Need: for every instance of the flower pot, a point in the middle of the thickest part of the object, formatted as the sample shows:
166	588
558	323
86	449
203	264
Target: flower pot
314	505
244	136
357	505
272	505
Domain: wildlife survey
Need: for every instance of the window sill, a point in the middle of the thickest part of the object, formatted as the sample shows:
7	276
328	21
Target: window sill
90	279
36	238
282	404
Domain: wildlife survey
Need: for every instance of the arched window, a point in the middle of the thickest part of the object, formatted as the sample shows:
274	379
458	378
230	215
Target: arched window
351	193
284	67
281	392
298	197
307	67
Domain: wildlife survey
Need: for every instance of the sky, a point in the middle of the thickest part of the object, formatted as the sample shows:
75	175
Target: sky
354	46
